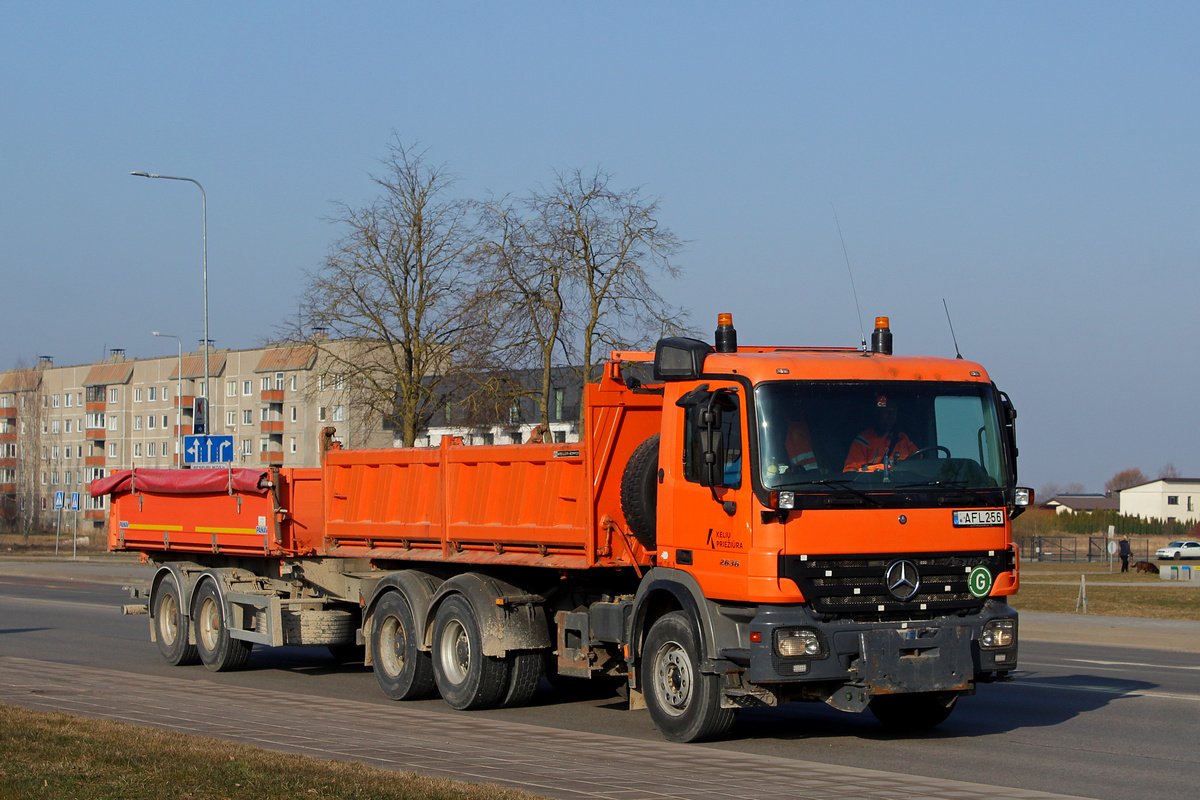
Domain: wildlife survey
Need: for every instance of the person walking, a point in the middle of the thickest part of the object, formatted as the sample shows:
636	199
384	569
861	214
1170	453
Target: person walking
1124	551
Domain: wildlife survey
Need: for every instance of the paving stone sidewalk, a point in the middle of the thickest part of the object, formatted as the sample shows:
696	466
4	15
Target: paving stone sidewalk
549	762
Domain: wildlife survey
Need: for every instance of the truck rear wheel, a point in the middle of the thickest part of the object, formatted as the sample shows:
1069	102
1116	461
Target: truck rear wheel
466	678
918	711
639	493
171	626
684	703
402	670
219	651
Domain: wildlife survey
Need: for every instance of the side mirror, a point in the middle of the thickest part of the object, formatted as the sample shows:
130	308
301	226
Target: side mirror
695	397
1010	413
1009	420
712	468
710	417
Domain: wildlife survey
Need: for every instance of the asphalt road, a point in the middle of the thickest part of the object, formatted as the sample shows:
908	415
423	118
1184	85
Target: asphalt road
1101	722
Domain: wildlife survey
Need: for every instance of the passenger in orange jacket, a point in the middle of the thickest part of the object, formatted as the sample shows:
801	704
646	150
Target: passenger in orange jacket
879	444
799	447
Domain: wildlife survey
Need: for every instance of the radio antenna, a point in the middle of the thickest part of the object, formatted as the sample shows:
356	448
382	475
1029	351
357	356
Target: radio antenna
953	338
862	331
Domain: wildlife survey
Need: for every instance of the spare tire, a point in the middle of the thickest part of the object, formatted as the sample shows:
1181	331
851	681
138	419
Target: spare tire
639	493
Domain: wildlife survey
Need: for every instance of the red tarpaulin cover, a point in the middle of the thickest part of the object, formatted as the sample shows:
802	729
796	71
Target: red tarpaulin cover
182	481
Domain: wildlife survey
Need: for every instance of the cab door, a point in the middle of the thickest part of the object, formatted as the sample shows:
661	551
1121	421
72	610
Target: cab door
706	529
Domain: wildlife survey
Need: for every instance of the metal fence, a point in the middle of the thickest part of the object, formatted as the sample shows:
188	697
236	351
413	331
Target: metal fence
1077	548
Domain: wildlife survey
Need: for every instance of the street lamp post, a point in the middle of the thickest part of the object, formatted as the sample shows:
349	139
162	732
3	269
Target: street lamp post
178	400
204	221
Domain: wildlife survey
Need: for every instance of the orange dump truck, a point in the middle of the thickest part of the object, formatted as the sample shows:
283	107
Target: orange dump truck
756	525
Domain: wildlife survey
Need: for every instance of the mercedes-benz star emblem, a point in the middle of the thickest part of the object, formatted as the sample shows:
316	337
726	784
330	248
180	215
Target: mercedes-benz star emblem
902	580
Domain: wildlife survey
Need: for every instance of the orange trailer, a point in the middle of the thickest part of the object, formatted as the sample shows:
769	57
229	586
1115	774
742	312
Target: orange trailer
759	525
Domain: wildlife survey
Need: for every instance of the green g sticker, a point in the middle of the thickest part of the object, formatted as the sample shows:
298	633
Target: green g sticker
980	581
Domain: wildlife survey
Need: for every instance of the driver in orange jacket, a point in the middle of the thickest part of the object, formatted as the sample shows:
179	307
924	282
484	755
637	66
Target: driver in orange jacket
879	444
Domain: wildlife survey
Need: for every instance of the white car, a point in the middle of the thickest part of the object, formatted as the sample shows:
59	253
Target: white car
1177	550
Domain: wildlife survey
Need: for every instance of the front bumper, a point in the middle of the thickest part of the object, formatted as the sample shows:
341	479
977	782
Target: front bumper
939	654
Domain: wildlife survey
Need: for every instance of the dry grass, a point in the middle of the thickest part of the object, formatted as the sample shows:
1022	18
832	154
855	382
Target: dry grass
1054	587
42	544
45	755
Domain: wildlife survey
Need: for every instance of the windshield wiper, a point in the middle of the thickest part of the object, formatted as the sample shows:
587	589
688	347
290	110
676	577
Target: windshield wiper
955	492
956	484
843	486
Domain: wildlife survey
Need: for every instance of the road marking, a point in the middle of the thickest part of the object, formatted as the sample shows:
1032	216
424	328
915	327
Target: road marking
1025	663
1109	690
33	601
1129	664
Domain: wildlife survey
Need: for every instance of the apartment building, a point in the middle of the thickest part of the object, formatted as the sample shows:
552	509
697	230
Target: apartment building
63	427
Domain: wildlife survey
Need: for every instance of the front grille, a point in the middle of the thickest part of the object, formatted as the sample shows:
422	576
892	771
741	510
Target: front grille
854	585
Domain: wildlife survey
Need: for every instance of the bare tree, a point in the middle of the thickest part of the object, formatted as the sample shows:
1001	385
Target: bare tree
398	286
1124	479
1049	491
528	295
612	245
1169	470
25	385
576	263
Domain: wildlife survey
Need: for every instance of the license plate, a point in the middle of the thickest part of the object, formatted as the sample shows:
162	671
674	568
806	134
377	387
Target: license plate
978	519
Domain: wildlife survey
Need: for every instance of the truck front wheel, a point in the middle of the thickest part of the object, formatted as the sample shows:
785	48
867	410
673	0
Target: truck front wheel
684	703
524	673
219	651
467	679
402	670
919	711
170	625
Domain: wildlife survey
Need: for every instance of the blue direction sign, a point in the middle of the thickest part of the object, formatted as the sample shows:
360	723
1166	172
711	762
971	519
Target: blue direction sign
207	449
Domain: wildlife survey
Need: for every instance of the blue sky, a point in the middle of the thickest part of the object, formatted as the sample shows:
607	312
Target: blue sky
1036	165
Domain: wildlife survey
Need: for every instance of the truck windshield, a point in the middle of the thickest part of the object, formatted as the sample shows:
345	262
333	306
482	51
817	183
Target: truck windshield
864	438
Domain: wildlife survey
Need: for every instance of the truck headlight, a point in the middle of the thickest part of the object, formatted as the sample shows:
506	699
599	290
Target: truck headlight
998	633
798	642
781	501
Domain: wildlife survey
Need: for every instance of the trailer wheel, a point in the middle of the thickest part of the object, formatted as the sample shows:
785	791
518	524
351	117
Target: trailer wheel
219	651
684	703
402	670
920	711
524	673
466	677
639	493
171	626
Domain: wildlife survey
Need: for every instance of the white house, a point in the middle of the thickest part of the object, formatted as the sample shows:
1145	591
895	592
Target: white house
1166	499
1074	503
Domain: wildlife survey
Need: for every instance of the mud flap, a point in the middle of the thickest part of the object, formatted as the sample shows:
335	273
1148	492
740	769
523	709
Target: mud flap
735	693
